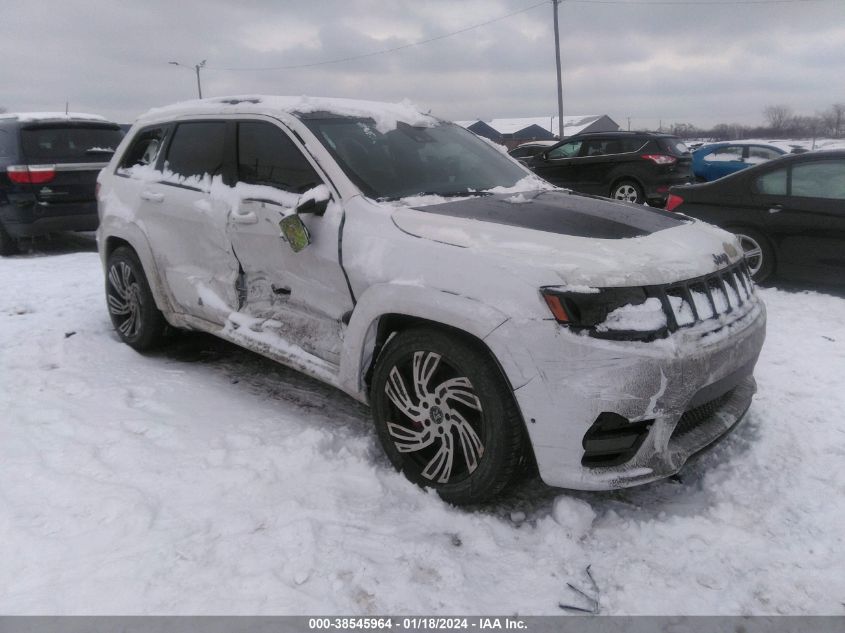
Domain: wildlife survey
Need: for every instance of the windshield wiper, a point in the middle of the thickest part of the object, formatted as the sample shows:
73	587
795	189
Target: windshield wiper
442	194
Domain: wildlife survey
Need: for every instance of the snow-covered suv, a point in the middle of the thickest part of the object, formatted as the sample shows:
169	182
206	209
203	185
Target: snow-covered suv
489	319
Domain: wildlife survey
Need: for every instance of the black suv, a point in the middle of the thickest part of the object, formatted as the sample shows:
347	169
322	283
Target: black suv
632	166
48	171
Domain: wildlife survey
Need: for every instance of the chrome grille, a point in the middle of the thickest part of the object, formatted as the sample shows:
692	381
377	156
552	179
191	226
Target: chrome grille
705	298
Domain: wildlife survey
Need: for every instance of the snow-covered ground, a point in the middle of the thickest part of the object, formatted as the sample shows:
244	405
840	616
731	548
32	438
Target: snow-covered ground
205	479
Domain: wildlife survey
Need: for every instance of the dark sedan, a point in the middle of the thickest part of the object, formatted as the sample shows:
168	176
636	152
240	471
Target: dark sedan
789	214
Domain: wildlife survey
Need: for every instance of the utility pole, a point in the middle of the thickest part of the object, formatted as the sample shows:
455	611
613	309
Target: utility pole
559	78
197	68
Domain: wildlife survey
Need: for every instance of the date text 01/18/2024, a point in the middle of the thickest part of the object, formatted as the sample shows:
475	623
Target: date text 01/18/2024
416	623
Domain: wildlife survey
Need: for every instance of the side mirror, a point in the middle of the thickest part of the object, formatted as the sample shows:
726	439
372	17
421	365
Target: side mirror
317	207
295	232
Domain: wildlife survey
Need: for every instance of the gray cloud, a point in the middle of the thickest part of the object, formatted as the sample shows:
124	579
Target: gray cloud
700	64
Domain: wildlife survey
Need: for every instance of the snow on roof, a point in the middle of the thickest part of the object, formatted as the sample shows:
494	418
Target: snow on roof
51	116
571	124
385	115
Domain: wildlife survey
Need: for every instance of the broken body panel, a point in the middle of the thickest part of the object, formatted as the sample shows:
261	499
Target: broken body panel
479	269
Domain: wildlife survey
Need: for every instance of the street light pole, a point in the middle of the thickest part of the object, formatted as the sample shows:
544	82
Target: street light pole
559	78
197	68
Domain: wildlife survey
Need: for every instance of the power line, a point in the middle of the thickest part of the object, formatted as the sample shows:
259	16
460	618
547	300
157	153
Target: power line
390	50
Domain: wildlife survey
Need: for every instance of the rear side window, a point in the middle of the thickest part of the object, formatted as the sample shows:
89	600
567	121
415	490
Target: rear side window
757	154
197	149
725	154
675	146
772	184
5	144
267	156
819	179
63	143
145	148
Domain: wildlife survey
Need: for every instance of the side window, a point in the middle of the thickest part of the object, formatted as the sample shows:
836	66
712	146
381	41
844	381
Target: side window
772	184
595	147
632	144
758	154
819	179
5	144
567	150
197	149
729	153
267	156
144	149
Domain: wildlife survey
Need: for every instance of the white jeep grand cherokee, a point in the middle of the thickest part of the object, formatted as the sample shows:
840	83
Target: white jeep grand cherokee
489	319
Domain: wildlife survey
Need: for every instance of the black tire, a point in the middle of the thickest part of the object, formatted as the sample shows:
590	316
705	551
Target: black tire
485	442
627	191
759	254
136	319
8	244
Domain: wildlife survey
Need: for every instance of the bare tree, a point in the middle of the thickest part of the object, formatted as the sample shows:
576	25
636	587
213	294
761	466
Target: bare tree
2	109
834	120
780	117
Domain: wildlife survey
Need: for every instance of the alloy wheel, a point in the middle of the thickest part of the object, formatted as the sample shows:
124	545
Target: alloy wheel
124	299
438	422
626	192
753	253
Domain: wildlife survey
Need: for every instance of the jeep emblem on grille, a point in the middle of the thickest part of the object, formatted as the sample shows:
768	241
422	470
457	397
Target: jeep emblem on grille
720	259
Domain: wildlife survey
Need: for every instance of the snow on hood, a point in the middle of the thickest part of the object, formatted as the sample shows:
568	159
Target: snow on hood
596	243
385	115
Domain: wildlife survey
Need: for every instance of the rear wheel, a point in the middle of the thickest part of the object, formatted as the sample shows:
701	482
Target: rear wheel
132	309
8	244
445	415
628	191
759	254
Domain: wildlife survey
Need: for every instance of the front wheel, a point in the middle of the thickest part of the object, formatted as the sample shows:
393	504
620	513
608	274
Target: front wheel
132	309
445	415
759	255
627	191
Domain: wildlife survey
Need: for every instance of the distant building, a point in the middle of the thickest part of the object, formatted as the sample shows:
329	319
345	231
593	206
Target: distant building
513	132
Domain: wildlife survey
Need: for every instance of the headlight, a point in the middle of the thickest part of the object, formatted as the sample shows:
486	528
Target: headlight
614	313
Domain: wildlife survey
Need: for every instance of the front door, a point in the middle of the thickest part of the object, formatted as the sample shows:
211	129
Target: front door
299	297
560	165
809	222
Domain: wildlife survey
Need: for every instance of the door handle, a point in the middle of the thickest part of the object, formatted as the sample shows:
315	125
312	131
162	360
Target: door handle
776	208
152	196
244	218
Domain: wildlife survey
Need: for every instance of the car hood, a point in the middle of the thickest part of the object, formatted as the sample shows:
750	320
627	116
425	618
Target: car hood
579	240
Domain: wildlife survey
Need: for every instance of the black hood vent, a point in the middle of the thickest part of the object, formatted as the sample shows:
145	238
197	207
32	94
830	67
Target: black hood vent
562	212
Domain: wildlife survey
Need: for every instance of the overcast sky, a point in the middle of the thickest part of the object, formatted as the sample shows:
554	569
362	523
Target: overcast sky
703	64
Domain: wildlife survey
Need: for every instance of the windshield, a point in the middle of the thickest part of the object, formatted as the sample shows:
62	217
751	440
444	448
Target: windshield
444	160
58	143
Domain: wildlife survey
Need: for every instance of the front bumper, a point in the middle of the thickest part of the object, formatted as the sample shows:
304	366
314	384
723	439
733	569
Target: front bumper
692	387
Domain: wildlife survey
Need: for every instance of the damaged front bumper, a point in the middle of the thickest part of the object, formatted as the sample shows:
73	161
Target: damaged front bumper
675	396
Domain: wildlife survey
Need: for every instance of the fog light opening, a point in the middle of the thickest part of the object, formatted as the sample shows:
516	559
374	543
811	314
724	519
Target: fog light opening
613	440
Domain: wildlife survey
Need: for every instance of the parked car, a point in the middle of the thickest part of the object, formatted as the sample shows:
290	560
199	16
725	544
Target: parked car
48	168
788	213
489	319
630	166
711	162
532	148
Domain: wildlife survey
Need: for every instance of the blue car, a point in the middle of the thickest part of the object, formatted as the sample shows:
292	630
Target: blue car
711	162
